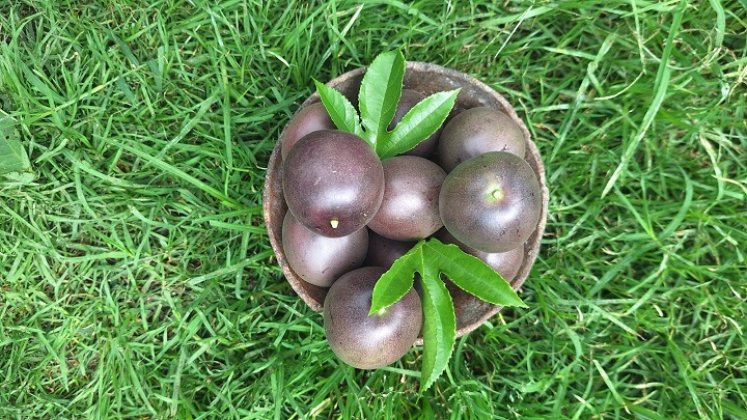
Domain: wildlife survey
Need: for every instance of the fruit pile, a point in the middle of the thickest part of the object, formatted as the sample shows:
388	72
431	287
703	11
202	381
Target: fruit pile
354	211
335	186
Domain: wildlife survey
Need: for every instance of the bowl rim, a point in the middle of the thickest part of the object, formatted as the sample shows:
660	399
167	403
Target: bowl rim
531	246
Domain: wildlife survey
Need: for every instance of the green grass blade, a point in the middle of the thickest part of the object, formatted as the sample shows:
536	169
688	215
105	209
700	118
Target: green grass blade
160	164
660	91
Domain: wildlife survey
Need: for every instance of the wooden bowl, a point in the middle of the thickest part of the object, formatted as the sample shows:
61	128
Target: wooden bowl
426	78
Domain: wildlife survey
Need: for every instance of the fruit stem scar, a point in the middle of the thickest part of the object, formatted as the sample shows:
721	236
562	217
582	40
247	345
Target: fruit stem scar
334	223
497	194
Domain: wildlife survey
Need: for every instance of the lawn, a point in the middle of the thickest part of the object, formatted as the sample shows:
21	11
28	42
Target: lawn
137	280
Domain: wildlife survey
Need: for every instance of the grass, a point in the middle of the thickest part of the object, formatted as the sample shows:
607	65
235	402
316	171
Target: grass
136	278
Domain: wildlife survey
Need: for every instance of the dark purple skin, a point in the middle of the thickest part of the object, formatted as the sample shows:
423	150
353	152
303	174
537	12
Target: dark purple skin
476	131
409	210
369	342
383	251
318	259
307	120
333	182
409	99
506	264
491	202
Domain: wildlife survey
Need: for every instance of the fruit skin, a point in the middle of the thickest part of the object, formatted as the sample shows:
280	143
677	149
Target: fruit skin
383	251
409	210
318	259
491	202
476	131
409	99
507	264
369	342
333	182
307	120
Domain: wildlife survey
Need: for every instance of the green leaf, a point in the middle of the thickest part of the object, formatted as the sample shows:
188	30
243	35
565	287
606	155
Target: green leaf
439	326
397	281
13	157
340	110
471	274
431	258
418	124
380	91
17	179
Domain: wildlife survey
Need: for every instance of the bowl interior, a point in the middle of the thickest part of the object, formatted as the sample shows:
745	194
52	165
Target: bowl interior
427	79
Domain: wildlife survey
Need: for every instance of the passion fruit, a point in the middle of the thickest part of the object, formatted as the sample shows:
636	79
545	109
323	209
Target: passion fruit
409	210
309	119
382	252
369	342
319	259
333	182
476	131
492	202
